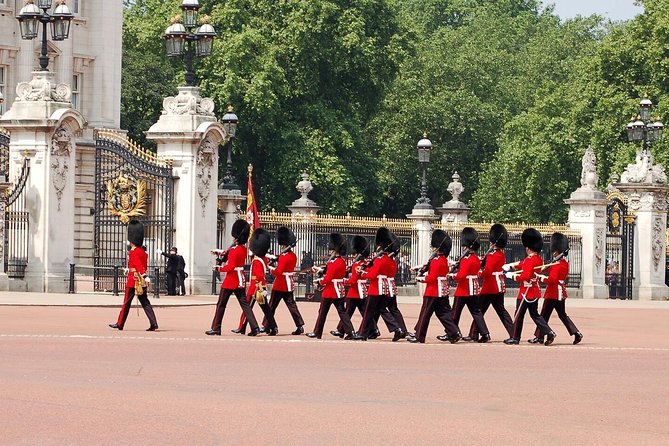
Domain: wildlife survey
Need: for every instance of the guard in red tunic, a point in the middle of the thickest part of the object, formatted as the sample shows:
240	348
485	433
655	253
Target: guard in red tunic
284	282
494	285
467	277
435	298
334	291
259	245
235	280
378	271
556	289
136	283
529	293
357	287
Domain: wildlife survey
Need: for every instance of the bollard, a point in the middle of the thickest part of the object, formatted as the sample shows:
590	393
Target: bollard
156	285
71	290
116	268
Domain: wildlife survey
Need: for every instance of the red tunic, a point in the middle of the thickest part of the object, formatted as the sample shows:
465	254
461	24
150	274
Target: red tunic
258	271
334	279
492	274
437	273
356	282
529	285
382	269
468	276
556	288
284	272
234	268
137	261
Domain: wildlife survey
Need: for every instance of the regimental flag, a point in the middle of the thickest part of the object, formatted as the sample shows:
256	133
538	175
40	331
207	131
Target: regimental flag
251	208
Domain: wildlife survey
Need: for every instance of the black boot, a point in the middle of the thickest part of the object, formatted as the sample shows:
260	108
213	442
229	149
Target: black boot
578	337
116	327
550	337
337	333
298	331
484	338
254	332
511	341
213	332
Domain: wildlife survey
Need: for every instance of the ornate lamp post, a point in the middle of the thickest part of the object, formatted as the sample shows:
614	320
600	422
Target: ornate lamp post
643	129
229	121
185	38
30	16
424	146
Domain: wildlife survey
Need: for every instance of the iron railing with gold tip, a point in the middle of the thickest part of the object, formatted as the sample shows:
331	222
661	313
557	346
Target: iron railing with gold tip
134	148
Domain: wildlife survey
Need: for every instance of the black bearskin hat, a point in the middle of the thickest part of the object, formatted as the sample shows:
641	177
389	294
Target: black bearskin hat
337	243
395	244
260	241
559	242
240	231
383	237
442	241
498	235
470	239
136	233
360	245
285	236
532	239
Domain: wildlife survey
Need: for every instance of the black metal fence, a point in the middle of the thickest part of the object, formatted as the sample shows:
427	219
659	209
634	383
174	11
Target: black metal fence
17	227
93	279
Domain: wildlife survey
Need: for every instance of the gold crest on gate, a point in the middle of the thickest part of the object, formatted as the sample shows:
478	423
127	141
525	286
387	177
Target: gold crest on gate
126	197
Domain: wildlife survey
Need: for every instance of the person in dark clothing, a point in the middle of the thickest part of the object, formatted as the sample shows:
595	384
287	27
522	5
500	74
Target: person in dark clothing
181	276
305	266
171	269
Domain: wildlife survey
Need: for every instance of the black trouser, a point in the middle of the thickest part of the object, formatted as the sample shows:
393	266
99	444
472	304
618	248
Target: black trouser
523	306
127	302
223	298
267	311
497	302
181	283
171	283
559	306
373	309
344	318
440	307
472	303
395	313
289	299
351	305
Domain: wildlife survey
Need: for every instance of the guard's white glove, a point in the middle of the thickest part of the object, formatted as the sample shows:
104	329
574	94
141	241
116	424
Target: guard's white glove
271	257
159	252
510	275
215	268
420	279
506	268
147	279
125	271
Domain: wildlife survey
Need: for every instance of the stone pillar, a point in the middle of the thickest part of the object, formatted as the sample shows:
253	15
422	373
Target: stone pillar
454	212
188	133
43	125
587	214
304	211
645	185
4	188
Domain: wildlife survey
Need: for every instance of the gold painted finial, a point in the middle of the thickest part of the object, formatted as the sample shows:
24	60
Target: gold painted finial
250	169
230	108
204	19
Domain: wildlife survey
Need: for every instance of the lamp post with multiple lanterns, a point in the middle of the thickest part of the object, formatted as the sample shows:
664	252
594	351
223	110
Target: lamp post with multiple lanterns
643	129
424	147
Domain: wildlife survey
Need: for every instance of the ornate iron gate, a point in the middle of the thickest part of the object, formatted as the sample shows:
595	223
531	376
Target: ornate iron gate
130	183
619	247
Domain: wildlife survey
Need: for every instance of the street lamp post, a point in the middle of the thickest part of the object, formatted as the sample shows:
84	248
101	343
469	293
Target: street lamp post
424	146
642	128
229	121
185	38
30	16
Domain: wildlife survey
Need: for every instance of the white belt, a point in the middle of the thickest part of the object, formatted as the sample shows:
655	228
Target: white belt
362	288
499	280
442	286
289	281
389	282
562	290
240	276
472	285
339	287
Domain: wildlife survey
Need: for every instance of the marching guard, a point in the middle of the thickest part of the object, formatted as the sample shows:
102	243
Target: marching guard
556	289
529	293
467	277
357	287
494	285
435	298
136	283
259	245
334	290
235	280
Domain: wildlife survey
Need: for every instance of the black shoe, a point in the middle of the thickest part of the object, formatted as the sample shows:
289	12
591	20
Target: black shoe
550	337
536	341
261	330
254	332
298	331
408	334
484	338
374	335
399	334
239	331
443	337
272	332
415	340
213	332
116	327
469	339
313	335
358	337
455	338
152	328
578	336
337	333
511	341
350	336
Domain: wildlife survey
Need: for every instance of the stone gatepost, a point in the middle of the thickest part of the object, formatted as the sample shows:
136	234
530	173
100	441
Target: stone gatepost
587	214
188	133
423	217
454	212
43	126
646	188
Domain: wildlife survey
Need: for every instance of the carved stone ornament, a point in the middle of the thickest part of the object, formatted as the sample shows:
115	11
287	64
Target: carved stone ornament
42	87
204	162
61	148
188	102
589	177
126	197
644	171
455	187
599	248
658	242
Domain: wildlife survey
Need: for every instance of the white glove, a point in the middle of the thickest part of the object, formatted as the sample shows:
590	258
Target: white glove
510	275
420	279
159	252
506	268
147	279
125	271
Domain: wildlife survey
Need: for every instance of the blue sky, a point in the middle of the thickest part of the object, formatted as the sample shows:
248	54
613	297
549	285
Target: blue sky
612	9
